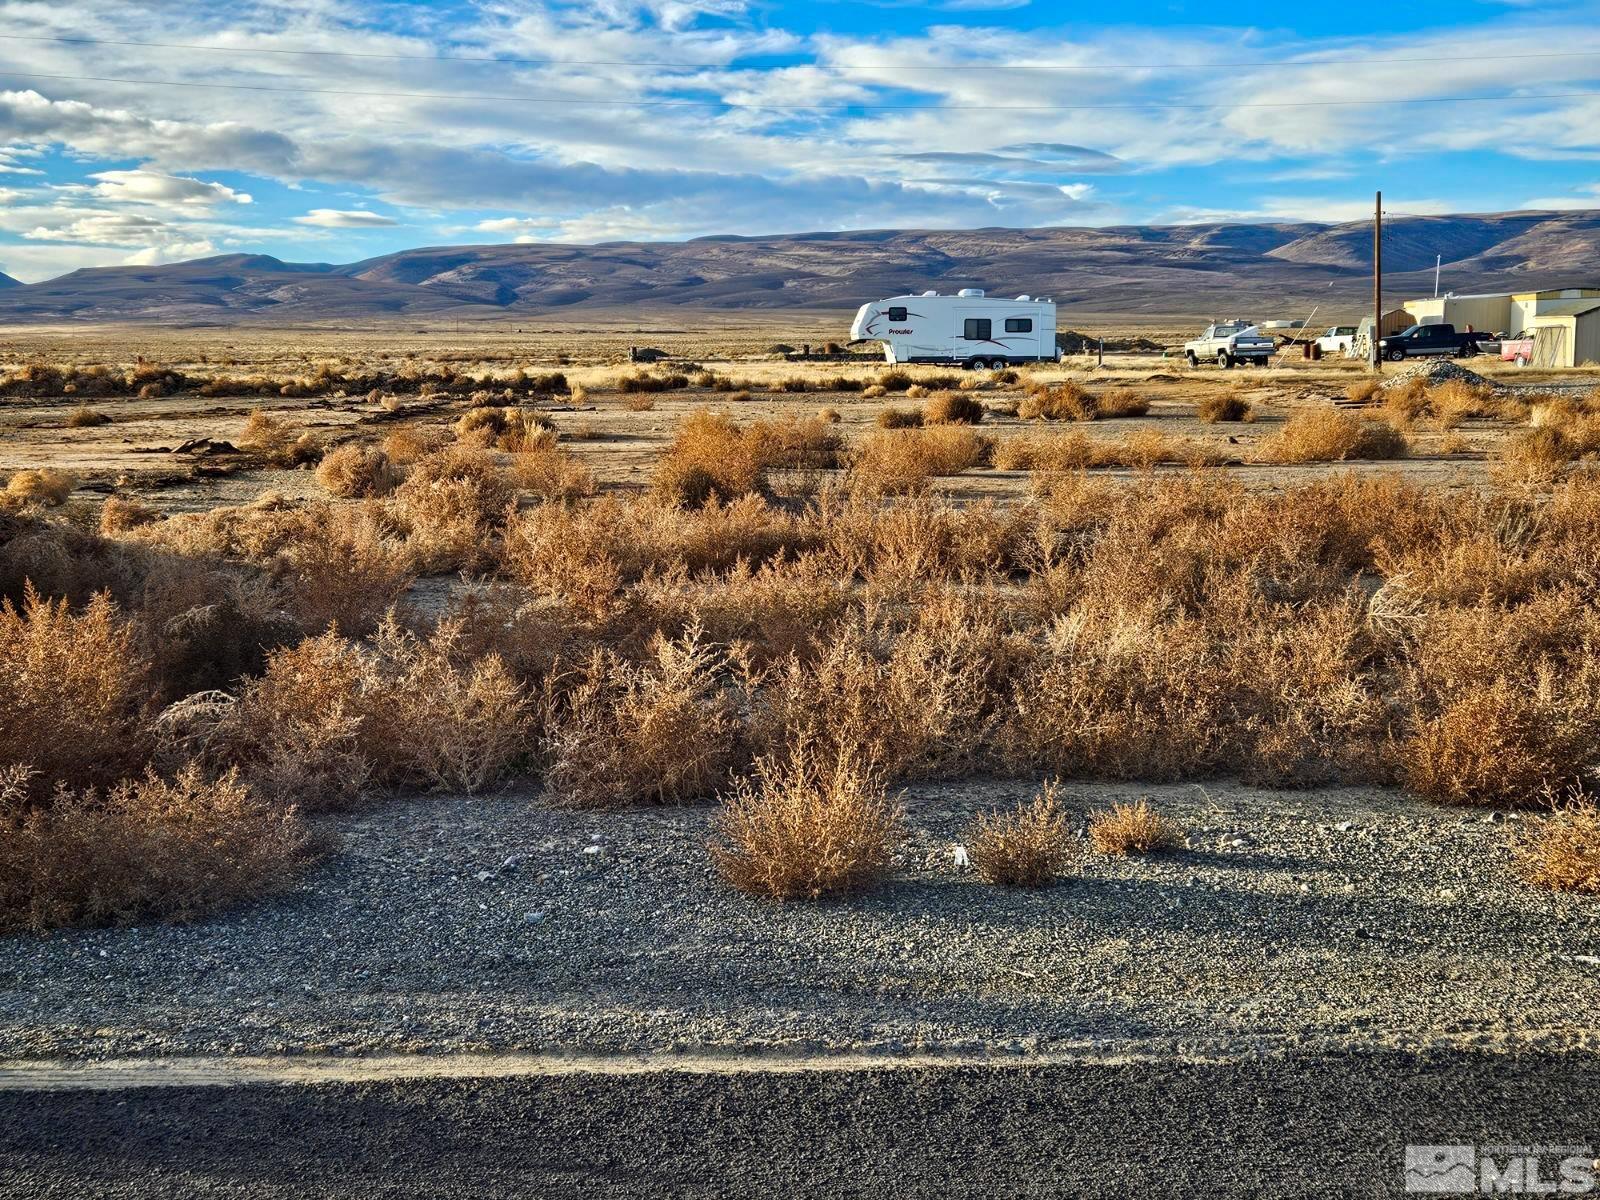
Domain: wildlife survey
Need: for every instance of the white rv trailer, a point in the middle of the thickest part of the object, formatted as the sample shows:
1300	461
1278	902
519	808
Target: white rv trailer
968	328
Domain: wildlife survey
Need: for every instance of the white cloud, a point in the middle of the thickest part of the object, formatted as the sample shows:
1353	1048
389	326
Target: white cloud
152	187
171	252
338	218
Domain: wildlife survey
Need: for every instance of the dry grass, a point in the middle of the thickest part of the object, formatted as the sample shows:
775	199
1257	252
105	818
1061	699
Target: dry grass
1536	457
409	443
1122	402
1563	850
1025	847
1133	829
150	848
44	488
1065	401
120	514
278	442
552	475
1329	435
806	827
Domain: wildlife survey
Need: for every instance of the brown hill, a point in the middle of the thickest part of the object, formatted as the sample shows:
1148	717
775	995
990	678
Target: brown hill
1164	270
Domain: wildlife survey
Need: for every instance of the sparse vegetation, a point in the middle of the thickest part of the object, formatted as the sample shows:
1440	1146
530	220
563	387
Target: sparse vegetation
1133	829
1329	435
1563	850
1025	847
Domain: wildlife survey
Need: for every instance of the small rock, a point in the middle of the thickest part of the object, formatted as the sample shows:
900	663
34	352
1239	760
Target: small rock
958	856
481	876
535	918
1345	826
591	849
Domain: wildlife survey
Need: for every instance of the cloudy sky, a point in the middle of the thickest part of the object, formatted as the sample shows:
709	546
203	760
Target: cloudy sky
333	130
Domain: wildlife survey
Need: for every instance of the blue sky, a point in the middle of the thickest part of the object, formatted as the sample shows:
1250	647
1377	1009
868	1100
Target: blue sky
507	120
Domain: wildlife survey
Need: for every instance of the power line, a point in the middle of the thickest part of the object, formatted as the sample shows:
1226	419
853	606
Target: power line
480	97
1259	64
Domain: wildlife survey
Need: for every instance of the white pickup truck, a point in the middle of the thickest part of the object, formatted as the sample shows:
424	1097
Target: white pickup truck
1229	342
1340	339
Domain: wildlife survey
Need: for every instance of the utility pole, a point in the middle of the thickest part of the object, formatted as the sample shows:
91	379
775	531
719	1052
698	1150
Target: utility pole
1377	280
1438	261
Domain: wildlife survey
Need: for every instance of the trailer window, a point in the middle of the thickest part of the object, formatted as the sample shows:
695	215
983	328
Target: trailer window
897	314
1019	324
977	329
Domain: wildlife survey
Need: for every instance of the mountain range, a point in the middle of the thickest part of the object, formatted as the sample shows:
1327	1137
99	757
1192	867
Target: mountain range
1220	268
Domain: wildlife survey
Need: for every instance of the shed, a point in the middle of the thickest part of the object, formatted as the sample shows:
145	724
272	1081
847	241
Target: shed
1566	333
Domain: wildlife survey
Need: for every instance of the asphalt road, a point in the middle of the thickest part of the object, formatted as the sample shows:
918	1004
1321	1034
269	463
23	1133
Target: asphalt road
1279	1127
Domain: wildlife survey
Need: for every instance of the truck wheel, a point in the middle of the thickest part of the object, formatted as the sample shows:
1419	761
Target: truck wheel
1462	351
1397	356
1223	360
1194	360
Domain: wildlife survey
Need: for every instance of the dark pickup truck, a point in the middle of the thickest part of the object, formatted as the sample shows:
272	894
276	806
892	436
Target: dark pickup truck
1422	340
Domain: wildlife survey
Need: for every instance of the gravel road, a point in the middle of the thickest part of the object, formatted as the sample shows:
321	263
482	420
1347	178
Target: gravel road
1318	1126
1312	921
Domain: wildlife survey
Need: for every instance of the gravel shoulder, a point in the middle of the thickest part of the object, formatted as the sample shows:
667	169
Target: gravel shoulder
1311	922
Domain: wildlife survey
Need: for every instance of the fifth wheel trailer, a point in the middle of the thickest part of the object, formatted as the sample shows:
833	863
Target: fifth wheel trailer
969	329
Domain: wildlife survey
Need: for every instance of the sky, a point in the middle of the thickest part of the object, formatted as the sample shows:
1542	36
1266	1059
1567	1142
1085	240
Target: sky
337	130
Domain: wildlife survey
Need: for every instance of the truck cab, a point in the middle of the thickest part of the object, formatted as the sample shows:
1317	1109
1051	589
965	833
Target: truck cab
1421	341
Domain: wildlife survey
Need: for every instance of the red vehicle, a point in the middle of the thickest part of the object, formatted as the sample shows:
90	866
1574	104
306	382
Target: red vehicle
1517	349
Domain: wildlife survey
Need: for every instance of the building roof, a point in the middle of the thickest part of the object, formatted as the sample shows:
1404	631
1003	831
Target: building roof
1568	308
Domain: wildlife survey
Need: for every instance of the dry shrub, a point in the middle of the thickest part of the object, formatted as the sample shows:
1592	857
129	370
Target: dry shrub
72	686
1454	400
874	391
1025	847
795	383
711	458
277	441
354	470
1563	850
659	732
552	475
1133	829
1535	457
409	443
895	380
296	731
900	418
797	443
1065	401
1508	740
150	848
43	488
516	430
952	408
1122	402
84	417
829	416
897	462
345	566
439	717
1453	443
806	827
1223	406
452	505
119	514
916	392
639	402
1363	391
1329	435
644	383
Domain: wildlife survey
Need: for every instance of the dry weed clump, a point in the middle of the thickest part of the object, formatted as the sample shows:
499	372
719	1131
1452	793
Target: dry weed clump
84	417
659	732
42	488
1065	401
1122	402
150	848
1025	847
806	827
1224	406
900	418
451	507
952	408
516	430
72	687
278	442
355	471
1329	435
713	459
1536	457
552	475
1133	829
409	443
899	462
119	514
1364	391
1563	850
798	443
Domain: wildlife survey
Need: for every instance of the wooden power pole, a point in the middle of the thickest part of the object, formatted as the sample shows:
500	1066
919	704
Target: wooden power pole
1377	280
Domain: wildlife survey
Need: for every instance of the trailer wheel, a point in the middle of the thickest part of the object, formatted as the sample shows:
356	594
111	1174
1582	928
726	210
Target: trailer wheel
1223	360
1397	356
